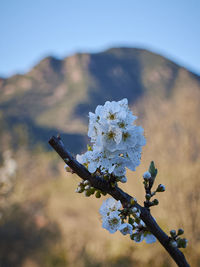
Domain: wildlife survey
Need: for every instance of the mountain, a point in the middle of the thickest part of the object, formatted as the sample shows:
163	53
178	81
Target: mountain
56	95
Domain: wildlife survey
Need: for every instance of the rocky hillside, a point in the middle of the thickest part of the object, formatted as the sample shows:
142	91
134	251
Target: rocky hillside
56	95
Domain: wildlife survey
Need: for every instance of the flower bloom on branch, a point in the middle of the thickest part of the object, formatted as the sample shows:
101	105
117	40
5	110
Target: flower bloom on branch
110	215
110	205
126	229
116	141
141	233
112	220
116	144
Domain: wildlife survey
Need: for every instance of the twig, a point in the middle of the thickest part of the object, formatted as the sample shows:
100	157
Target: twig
119	194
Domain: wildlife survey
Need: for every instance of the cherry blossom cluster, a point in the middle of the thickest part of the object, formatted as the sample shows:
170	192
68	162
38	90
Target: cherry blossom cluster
127	221
116	144
116	141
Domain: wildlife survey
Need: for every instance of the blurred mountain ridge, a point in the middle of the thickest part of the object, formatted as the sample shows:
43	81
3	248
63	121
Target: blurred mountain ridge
56	95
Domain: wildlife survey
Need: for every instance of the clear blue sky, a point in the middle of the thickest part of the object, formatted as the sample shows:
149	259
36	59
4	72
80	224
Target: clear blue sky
32	29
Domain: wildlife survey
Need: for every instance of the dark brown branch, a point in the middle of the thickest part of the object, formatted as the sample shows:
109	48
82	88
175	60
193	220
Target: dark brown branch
118	194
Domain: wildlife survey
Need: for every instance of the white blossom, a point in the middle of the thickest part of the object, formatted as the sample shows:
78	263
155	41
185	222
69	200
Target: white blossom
149	238
126	228
112	222
116	141
110	205
141	233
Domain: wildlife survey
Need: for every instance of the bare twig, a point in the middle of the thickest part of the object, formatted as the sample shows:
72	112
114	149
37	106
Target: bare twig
117	193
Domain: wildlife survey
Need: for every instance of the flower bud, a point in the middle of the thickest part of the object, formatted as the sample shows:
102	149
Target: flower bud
133	200
86	182
155	202
147	175
79	189
182	242
87	187
134	210
123	179
67	168
153	170
148	196
92	190
173	233
80	183
173	243
180	231
98	194
87	193
160	188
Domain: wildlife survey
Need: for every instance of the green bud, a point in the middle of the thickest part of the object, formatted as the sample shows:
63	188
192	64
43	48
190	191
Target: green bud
153	171
137	237
87	193
133	201
98	194
173	233
182	242
92	190
80	183
68	169
155	202
148	196
173	243
180	231
160	188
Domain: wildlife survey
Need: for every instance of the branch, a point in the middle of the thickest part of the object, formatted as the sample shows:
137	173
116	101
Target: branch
117	193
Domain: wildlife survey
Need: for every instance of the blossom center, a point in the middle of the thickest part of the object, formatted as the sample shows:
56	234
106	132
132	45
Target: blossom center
111	135
113	221
126	136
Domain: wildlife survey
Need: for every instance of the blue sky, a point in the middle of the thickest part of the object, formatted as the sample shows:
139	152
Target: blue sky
31	30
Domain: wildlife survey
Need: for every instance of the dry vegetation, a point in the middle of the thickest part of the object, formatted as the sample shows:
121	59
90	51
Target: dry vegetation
43	222
56	227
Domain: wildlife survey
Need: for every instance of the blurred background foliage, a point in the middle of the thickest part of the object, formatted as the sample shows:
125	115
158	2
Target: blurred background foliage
42	221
